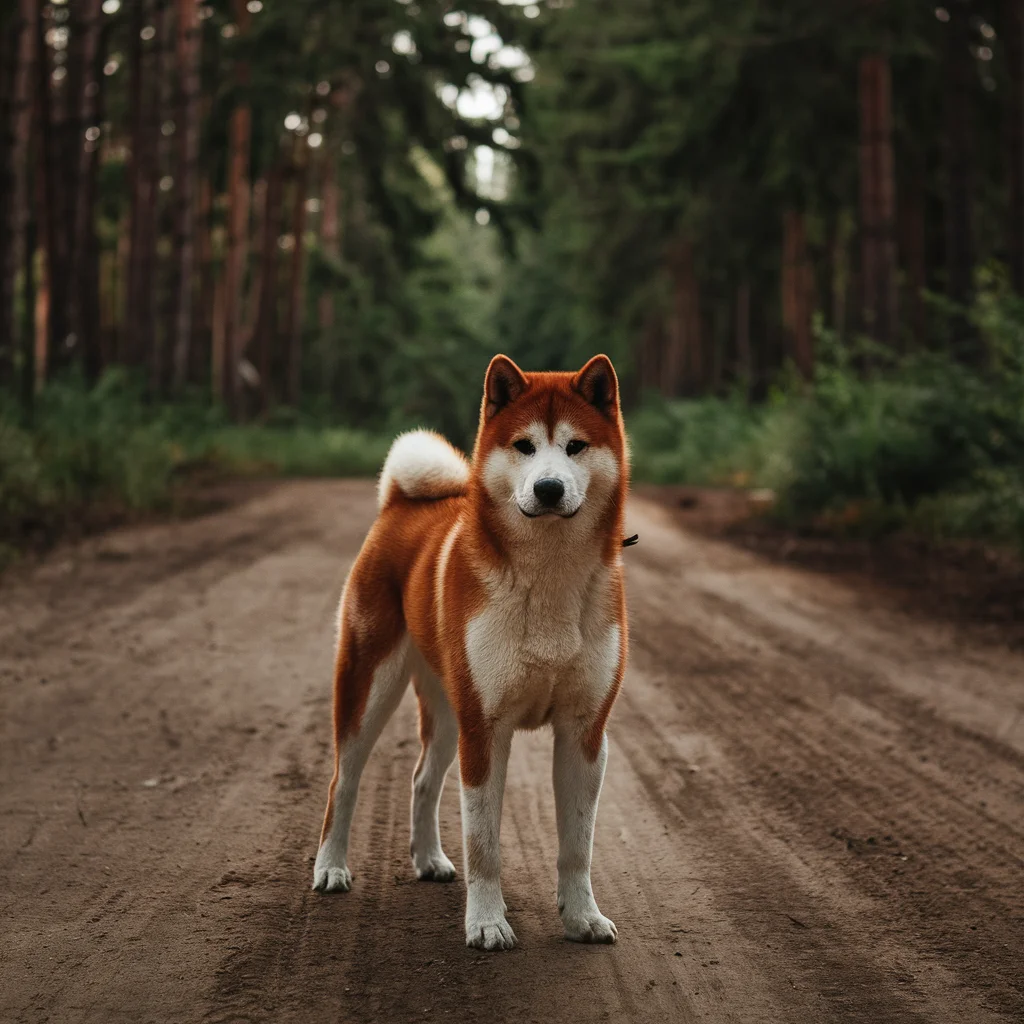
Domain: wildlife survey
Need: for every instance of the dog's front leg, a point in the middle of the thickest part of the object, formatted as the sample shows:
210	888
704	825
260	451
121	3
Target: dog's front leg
578	779
483	788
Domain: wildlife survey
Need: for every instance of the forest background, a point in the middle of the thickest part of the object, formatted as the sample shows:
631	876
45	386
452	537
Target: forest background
255	236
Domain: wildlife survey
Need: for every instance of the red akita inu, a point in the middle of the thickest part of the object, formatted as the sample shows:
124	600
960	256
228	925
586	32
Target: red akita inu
497	586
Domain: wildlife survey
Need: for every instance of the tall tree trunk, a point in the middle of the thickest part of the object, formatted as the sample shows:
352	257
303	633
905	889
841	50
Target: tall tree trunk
685	366
188	55
9	46
239	134
84	247
41	273
122	353
744	352
129	347
165	265
53	291
797	293
841	271
652	353
28	319
912	244
330	233
138	325
202	359
721	316
17	251
296	286
266	329
254	287
217	320
877	201
959	220
1013	41
235	257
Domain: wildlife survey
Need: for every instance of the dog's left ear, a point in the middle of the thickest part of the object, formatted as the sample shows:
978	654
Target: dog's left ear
597	383
504	383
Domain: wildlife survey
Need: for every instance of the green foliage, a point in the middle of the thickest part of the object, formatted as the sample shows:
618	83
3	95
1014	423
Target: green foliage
295	451
711	441
409	348
98	455
919	442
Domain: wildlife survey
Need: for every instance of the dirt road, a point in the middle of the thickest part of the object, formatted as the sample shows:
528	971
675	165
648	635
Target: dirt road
814	808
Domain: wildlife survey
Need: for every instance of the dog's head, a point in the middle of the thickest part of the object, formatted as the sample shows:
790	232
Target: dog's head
551	446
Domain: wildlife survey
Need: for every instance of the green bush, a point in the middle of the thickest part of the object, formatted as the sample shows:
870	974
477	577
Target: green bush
920	441
96	454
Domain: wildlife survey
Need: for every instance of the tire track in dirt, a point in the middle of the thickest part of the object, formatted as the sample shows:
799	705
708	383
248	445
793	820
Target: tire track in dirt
780	746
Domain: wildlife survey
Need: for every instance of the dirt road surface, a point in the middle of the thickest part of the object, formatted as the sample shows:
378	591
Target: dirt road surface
814	808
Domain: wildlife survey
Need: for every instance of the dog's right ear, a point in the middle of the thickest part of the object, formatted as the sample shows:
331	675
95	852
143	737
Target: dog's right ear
503	384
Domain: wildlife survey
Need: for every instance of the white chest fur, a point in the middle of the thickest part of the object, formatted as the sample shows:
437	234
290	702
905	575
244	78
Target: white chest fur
546	640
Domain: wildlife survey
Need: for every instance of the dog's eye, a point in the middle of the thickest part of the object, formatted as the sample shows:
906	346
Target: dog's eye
575	447
524	446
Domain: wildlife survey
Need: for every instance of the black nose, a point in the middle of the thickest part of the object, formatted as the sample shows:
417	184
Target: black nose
549	491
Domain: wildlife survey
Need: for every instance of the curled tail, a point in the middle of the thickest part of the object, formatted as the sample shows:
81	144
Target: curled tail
422	465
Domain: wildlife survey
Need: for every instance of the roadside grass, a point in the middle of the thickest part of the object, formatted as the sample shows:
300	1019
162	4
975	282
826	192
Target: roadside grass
875	443
295	451
98	456
899	455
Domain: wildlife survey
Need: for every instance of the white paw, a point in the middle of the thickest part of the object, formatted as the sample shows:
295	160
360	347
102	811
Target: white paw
435	867
332	879
593	928
496	934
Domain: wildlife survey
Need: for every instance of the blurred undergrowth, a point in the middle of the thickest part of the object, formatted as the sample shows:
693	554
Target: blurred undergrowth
96	456
875	442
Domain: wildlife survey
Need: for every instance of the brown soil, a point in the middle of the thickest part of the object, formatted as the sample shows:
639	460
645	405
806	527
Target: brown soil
967	583
813	809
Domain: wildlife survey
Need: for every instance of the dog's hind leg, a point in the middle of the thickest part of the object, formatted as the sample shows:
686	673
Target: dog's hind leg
439	735
370	675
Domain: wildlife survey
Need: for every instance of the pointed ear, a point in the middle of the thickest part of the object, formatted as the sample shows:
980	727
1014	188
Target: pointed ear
503	384
597	383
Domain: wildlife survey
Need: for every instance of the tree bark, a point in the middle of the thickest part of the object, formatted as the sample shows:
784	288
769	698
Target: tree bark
914	256
85	250
959	219
40	226
797	293
165	266
217	332
840	269
204	365
239	134
877	201
685	363
651	356
1013	41
296	289
138	326
266	329
187	55
18	210
9	47
129	347
330	233
744	352
28	320
53	291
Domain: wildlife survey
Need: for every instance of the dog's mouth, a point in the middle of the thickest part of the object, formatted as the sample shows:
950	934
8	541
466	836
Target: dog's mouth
543	513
